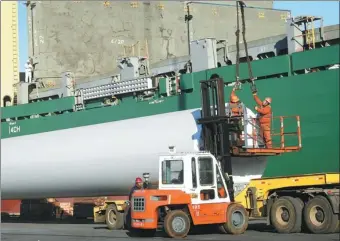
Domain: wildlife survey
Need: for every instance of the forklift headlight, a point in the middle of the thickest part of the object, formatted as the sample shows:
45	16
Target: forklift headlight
158	198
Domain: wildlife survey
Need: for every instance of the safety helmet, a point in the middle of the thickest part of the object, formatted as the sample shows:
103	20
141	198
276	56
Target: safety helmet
139	180
234	98
268	99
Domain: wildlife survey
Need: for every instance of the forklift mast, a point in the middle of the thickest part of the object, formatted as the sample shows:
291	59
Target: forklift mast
216	126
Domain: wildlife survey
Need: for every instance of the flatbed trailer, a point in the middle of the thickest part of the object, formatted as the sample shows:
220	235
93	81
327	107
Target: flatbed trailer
294	203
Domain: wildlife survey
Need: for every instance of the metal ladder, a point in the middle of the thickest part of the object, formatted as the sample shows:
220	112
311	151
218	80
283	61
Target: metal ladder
15	48
310	32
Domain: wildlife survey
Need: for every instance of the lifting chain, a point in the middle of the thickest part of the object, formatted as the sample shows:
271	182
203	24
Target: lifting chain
237	33
251	77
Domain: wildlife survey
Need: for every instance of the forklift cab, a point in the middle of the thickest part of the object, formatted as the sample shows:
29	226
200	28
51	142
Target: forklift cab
198	174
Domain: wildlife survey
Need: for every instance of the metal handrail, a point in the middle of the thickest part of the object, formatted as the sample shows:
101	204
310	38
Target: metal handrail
282	133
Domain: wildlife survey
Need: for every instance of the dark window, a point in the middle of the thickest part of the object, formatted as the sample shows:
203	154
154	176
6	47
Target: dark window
194	176
172	172
222	193
206	171
207	194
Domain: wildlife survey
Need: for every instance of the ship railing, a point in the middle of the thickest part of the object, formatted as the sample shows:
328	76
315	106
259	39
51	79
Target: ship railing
279	134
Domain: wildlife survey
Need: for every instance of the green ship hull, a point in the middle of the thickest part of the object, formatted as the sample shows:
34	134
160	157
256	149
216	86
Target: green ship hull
313	96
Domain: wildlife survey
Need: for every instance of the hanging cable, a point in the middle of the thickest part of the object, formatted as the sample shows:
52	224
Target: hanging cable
251	77
237	33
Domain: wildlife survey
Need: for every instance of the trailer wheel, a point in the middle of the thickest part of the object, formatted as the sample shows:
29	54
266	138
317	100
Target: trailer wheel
286	215
337	230
177	224
319	217
237	220
114	219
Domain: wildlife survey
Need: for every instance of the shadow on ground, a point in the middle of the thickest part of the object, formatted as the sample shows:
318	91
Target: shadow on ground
207	229
68	220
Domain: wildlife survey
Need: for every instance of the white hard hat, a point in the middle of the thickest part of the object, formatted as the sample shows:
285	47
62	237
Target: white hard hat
268	99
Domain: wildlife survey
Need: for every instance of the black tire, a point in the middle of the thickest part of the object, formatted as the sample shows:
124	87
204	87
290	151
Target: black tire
286	215
237	220
179	230
319	217
221	229
337	230
127	218
303	228
114	220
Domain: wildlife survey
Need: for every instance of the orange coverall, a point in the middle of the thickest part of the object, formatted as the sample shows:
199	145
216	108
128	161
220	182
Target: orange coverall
265	121
235	110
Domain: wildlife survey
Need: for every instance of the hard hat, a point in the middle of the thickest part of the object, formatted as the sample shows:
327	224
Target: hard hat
138	180
268	99
234	98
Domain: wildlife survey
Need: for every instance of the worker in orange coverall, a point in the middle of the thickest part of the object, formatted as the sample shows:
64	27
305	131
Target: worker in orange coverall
265	118
236	110
234	104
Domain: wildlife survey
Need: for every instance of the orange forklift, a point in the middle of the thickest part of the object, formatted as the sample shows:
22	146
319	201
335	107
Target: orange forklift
197	188
192	191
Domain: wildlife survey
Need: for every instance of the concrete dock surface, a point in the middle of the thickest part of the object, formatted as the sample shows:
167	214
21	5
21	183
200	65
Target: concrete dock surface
85	230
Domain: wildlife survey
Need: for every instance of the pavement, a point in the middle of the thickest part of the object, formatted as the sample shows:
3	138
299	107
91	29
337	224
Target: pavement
87	231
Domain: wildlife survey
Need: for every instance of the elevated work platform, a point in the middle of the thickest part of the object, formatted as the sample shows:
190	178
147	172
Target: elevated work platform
218	127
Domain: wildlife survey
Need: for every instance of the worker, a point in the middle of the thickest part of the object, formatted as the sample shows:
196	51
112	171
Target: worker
242	4
235	104
138	185
236	110
127	206
28	71
265	118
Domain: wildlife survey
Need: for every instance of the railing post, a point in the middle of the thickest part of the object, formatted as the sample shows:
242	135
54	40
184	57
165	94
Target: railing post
298	130
254	132
282	133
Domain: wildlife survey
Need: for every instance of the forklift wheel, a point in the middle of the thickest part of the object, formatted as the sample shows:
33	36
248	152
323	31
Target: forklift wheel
177	224
114	219
237	220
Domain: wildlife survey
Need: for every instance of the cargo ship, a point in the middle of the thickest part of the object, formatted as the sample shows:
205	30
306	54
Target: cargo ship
87	139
